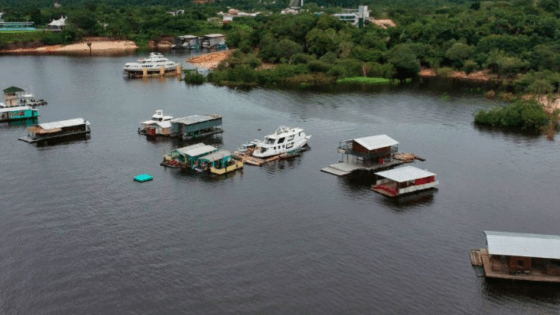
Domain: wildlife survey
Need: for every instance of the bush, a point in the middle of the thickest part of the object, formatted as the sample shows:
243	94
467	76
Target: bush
444	72
524	115
318	66
193	77
300	58
364	80
470	66
376	70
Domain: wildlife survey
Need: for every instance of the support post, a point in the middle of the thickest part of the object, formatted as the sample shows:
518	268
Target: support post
178	69
161	71
144	72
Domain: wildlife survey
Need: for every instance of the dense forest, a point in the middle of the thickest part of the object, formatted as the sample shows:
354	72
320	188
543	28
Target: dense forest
518	41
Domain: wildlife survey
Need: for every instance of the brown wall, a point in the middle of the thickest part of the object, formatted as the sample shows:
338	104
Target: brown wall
519	263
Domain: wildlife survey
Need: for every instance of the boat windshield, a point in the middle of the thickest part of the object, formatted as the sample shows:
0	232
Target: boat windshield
270	141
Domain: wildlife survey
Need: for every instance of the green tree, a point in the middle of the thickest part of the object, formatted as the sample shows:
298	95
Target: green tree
404	60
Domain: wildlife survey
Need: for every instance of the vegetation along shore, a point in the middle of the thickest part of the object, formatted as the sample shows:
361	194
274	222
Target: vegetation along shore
514	43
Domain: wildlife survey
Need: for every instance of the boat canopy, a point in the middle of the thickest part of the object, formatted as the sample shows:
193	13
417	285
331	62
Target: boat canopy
523	244
14	109
405	174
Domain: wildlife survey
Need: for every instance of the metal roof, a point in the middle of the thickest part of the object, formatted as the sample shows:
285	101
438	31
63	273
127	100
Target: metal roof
183	150
13	109
376	142
196	150
405	174
194	119
63	123
523	244
218	155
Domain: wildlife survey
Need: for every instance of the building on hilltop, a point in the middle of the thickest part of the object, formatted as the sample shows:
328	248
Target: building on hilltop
58	25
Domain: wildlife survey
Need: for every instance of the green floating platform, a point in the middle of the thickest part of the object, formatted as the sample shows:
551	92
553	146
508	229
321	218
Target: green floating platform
143	178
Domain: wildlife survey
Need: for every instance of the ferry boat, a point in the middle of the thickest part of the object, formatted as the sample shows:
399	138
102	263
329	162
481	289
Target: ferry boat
159	125
283	140
59	130
404	180
17	113
153	64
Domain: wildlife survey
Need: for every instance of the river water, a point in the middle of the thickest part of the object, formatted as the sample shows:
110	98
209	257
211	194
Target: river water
79	236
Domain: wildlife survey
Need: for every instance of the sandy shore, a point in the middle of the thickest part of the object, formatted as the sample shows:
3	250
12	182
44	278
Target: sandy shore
102	47
210	60
475	76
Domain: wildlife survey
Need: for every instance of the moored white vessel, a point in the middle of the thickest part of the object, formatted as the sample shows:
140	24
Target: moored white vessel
159	124
152	64
283	140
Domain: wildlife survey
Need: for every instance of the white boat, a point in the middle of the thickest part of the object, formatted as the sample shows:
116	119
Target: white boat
154	63
159	124
283	140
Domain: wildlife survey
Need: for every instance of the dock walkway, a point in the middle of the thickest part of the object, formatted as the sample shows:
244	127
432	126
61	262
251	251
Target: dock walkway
351	165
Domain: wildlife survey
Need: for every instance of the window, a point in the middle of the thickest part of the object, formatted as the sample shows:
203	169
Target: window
270	141
281	140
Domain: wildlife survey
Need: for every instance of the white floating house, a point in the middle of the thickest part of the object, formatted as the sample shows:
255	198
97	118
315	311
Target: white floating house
404	180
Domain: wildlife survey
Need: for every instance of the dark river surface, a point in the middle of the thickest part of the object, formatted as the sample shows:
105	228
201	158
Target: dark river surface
79	236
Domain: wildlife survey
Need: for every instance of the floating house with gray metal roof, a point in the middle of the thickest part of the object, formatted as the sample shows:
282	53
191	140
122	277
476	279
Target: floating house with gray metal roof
196	126
404	180
518	256
58	130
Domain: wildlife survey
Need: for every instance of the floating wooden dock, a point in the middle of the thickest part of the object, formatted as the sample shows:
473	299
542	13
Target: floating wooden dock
255	161
352	164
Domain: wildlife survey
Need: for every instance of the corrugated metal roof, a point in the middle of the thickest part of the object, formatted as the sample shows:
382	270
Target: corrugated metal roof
523	244
183	150
194	119
216	156
196	149
13	109
405	174
376	142
63	123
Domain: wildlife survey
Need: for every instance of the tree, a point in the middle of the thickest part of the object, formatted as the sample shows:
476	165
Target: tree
405	61
458	54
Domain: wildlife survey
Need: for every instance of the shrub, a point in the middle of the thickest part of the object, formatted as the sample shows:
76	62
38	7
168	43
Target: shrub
524	115
193	77
318	66
444	72
470	66
300	58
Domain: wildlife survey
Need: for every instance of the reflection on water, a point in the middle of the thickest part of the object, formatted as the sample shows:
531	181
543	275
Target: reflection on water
524	291
21	123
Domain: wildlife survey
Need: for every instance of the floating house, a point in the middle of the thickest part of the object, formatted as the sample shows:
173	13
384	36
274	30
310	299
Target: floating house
17	113
186	42
368	153
59	130
219	162
196	126
404	180
217	41
16	97
187	157
519	256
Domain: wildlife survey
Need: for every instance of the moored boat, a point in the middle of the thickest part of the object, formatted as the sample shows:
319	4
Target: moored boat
153	64
283	140
159	125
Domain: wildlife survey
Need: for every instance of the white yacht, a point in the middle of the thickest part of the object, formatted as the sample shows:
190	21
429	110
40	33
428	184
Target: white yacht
159	125
154	63
283	140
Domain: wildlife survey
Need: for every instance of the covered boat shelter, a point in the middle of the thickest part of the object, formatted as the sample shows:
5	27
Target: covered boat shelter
218	159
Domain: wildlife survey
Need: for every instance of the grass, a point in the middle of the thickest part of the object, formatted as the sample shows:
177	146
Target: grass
364	80
17	32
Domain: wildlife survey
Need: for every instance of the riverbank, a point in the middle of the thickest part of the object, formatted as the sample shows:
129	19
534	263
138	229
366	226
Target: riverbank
210	60
475	76
99	47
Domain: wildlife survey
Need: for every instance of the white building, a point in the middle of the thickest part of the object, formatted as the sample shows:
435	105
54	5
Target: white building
176	12
58	25
355	17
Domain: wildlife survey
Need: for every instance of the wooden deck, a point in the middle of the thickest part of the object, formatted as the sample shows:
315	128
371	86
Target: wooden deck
345	168
251	160
351	165
494	268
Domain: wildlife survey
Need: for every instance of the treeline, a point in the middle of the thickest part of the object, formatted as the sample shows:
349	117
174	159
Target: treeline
517	41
